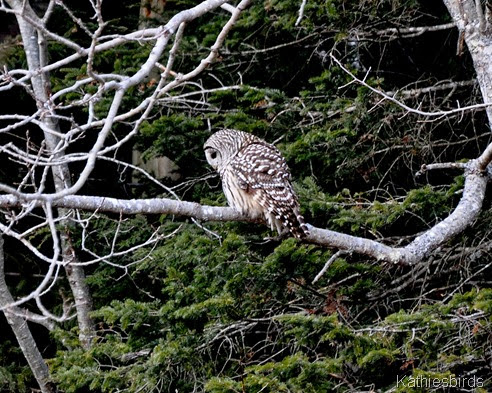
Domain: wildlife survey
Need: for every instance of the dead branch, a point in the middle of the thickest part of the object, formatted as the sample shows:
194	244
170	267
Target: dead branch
421	247
402	32
385	96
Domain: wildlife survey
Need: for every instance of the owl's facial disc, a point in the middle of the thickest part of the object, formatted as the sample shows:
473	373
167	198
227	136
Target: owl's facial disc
213	157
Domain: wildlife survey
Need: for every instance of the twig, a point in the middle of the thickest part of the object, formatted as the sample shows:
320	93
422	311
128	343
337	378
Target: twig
443	165
328	264
450	295
301	12
438	114
414	93
406	32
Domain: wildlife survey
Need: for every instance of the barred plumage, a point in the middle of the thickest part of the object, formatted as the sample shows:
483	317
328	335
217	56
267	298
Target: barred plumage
256	179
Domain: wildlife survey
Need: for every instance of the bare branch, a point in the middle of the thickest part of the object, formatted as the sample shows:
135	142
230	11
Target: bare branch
464	215
403	32
214	50
414	93
444	165
301	12
480	16
437	114
22	332
327	265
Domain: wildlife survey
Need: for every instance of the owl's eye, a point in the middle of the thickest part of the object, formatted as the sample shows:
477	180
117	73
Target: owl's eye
213	155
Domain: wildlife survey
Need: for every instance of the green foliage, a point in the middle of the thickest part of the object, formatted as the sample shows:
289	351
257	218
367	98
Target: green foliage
294	373
14	375
203	289
222	310
174	136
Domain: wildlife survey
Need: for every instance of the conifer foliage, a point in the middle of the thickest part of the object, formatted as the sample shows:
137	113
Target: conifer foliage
122	271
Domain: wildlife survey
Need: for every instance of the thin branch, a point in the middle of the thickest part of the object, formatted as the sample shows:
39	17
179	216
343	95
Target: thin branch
327	265
301	12
214	50
414	93
404	32
481	18
276	47
443	165
438	114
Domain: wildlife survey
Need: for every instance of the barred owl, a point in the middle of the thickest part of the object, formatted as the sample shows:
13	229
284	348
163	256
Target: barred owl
255	179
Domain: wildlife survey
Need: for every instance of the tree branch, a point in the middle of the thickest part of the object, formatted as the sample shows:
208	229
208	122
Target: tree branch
22	332
405	32
385	96
464	215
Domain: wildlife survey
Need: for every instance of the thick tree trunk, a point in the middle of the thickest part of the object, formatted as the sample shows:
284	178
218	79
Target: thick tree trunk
36	54
475	29
22	333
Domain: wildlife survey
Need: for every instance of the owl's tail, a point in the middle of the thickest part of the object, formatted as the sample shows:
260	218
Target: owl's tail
297	226
290	219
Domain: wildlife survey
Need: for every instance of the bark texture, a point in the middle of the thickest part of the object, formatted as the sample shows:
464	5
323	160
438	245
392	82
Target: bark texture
22	332
420	248
37	57
476	31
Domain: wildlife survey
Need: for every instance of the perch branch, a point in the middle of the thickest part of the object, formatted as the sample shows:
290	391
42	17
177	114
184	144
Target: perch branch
422	246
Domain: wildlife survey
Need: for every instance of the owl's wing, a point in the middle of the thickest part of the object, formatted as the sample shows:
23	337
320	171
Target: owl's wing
261	167
263	173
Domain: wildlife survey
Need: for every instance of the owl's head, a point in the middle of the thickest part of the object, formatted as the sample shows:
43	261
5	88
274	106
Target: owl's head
224	145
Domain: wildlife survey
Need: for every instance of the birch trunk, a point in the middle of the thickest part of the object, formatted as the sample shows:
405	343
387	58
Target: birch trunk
22	333
476	32
37	55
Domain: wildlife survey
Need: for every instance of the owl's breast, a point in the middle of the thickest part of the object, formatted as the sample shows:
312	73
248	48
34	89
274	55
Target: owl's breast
239	196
